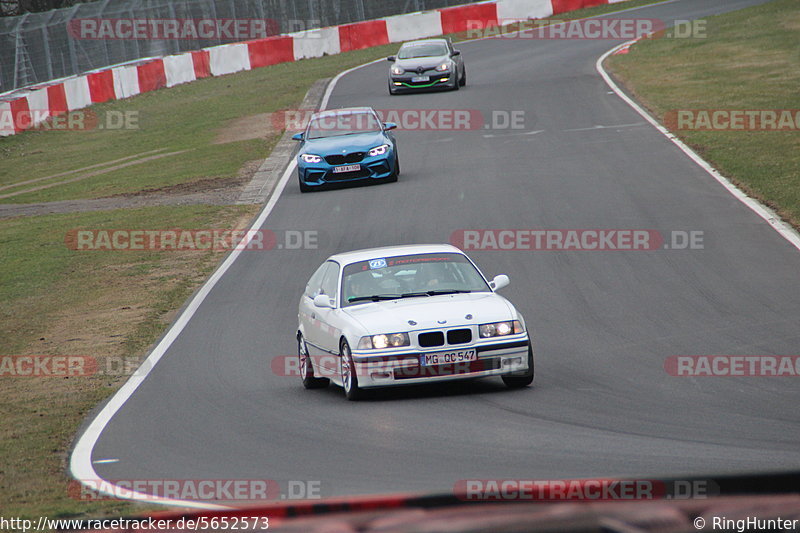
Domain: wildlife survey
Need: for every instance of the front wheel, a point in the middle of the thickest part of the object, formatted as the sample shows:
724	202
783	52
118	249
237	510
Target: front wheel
396	173
306	369
523	380
463	80
348	372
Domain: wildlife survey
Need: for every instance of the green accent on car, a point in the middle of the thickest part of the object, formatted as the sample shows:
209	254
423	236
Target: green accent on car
418	86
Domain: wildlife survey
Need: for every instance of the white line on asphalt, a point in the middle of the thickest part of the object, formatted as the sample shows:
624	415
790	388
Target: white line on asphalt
493	135
601	127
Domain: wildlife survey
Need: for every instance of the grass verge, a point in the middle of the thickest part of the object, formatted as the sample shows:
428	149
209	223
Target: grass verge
747	61
104	305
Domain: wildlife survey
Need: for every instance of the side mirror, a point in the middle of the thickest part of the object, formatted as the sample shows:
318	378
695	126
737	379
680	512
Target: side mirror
499	281
456	53
298	136
391	58
389	126
323	300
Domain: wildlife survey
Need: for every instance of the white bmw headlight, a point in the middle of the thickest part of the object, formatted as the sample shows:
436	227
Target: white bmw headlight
384	340
379	150
500	329
397	70
443	67
311	158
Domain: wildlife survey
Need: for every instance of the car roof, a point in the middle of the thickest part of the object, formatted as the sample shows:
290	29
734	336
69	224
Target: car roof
425	41
356	256
343	111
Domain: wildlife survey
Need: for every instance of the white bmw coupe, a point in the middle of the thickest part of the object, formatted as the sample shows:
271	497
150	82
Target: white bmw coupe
408	314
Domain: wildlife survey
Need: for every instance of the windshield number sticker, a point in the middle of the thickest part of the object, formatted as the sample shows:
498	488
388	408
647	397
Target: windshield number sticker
377	263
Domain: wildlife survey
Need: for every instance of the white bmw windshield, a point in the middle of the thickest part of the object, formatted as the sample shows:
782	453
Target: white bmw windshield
409	276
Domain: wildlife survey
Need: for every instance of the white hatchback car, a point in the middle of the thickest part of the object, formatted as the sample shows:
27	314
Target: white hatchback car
408	314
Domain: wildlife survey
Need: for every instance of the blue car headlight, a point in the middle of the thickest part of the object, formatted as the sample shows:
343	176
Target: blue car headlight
379	150
310	158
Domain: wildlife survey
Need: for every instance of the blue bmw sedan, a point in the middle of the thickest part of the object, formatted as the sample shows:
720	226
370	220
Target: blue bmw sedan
346	145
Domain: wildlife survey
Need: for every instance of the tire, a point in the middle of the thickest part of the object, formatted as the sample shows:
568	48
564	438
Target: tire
349	377
456	84
520	381
463	80
306	370
396	172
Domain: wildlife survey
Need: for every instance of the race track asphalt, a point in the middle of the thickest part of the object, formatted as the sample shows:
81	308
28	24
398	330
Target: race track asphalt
603	322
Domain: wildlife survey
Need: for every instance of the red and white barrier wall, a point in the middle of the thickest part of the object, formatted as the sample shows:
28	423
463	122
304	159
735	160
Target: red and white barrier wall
28	107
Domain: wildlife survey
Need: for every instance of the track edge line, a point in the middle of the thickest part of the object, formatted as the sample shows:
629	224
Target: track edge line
769	216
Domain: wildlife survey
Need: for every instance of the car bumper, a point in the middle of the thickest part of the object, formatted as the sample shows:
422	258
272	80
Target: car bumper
372	168
495	358
437	81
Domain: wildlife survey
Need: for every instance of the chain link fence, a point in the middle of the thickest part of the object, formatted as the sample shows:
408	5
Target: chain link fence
38	47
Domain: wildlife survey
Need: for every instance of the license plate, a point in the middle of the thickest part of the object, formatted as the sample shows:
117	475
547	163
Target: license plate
443	358
346	168
417	79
